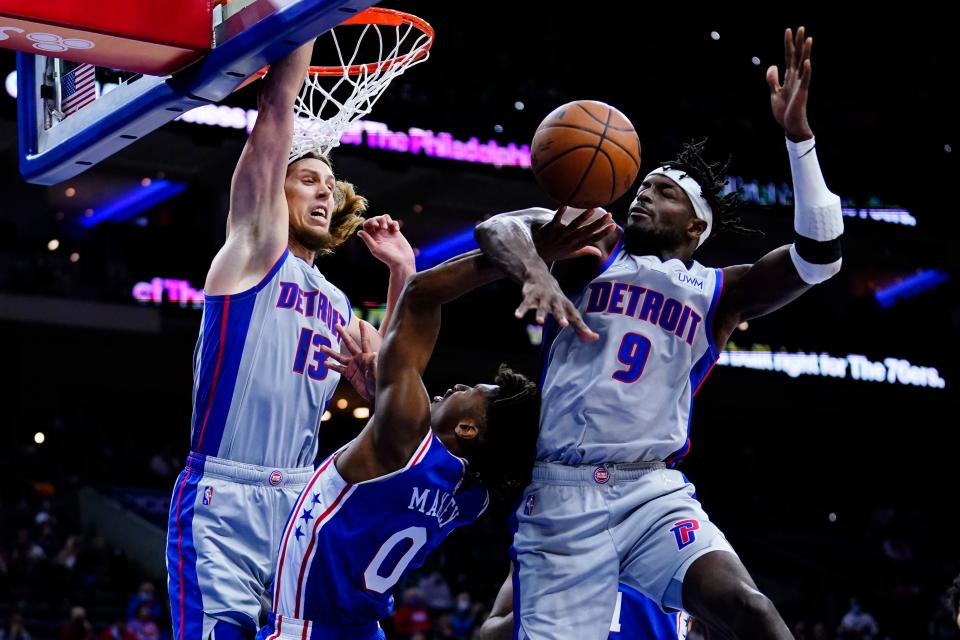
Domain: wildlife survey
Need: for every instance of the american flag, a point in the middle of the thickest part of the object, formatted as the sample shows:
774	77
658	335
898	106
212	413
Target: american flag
77	89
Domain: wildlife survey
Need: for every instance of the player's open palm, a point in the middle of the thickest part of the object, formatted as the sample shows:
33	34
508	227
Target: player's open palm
382	236
558	241
789	100
359	364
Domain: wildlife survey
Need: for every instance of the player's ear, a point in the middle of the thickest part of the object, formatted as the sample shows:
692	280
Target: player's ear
696	226
467	429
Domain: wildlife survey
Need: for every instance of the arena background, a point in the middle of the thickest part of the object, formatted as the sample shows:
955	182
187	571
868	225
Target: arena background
830	486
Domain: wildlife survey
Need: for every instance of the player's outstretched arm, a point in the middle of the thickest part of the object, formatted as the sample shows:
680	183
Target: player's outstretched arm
402	415
387	244
257	226
815	256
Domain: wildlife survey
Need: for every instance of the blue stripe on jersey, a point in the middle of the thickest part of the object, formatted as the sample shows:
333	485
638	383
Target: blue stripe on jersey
717	292
613	254
226	320
700	370
186	601
515	573
643	619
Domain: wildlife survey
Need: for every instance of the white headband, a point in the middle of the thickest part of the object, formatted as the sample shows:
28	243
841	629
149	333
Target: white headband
694	191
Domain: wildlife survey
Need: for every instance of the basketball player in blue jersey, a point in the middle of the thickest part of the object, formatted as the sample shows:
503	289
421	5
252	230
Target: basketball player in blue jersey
419	469
260	382
635	617
606	505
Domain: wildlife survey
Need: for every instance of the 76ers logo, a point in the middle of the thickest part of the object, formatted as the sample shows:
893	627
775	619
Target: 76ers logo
683	531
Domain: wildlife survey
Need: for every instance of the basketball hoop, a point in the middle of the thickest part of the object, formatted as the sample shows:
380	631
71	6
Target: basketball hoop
333	97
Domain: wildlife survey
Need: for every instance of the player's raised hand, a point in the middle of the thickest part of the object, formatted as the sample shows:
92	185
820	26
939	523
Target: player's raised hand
359	364
558	241
382	236
789	100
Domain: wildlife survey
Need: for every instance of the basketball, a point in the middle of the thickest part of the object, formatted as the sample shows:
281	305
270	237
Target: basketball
585	154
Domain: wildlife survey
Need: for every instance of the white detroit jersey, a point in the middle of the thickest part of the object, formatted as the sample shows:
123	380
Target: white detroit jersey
260	384
628	396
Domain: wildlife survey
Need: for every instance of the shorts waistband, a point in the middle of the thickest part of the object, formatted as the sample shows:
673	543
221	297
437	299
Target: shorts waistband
244	473
286	628
606	473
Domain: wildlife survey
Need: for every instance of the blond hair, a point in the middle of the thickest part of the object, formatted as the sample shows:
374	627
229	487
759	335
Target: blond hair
350	206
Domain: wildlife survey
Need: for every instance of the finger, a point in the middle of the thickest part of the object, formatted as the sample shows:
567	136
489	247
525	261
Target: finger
364	337
541	316
387	218
773	79
336	355
805	81
395	226
559	315
339	368
581	327
370	224
586	251
580	220
797	48
367	239
600	223
601	233
558	216
788	47
524	307
805	56
347	339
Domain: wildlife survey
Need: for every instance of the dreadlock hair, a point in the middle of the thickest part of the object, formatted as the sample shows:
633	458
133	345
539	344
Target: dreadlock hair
502	456
348	214
712	178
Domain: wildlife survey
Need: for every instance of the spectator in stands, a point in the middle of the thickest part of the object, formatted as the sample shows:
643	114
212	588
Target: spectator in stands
144	627
15	630
412	616
77	627
67	557
435	592
464	617
117	631
857	624
145	596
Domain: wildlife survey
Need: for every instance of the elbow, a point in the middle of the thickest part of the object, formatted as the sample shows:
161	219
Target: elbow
814	272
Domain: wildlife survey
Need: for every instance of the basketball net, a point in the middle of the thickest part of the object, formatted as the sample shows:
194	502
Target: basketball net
334	97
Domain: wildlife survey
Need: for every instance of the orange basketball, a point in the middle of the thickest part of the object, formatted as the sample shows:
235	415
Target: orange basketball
585	154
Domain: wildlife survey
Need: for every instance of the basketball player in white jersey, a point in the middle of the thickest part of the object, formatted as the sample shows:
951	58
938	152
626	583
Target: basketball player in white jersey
260	378
605	505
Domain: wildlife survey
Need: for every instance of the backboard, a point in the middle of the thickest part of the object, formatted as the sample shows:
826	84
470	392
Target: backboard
59	141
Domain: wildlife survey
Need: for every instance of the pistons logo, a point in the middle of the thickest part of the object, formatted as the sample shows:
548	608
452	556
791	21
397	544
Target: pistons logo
601	475
276	478
683	531
208	495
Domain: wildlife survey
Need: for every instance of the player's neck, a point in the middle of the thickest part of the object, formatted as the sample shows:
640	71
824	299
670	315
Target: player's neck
298	249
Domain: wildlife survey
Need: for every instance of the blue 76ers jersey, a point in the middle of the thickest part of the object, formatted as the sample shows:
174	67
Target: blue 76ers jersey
259	380
628	396
346	545
639	618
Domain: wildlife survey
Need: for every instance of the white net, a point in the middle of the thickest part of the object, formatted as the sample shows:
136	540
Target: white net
331	101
